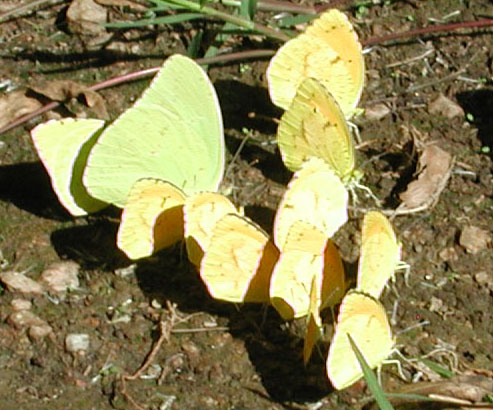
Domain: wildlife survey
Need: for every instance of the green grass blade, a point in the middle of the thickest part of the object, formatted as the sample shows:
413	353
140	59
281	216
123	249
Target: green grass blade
194	46
173	19
370	378
248	9
442	371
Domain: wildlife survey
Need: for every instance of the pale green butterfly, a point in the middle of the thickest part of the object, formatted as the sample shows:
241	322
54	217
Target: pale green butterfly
63	147
174	132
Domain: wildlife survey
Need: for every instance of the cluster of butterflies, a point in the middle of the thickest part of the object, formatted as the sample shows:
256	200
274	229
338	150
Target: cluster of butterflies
163	159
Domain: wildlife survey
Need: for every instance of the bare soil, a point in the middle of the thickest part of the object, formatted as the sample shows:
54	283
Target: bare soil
218	355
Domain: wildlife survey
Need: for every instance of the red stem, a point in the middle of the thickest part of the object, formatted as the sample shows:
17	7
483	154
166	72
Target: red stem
248	55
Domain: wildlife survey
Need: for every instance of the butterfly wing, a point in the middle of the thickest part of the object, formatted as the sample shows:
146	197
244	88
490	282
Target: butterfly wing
328	51
314	126
364	318
152	218
314	324
337	32
238	263
202	211
173	132
301	261
380	254
315	195
63	147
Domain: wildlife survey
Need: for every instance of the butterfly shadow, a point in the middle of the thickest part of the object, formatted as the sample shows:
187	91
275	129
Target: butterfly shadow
250	124
274	351
479	103
28	186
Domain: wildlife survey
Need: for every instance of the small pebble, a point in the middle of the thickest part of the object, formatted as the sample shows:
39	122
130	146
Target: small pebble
77	342
61	276
474	239
39	331
20	304
17	282
24	319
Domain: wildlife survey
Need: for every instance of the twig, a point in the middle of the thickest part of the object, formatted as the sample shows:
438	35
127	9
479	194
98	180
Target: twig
428	30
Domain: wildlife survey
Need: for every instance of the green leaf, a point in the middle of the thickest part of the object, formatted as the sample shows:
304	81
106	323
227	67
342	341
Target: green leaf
370	378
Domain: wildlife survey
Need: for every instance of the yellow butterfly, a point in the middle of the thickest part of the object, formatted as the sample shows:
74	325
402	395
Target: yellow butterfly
159	214
328	51
309	275
237	265
201	212
152	218
380	254
364	318
316	196
314	126
323	295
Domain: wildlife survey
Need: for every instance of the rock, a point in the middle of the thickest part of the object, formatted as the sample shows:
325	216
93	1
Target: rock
86	17
448	254
60	277
474	239
36	332
436	305
77	342
24	319
17	282
484	279
20	304
445	107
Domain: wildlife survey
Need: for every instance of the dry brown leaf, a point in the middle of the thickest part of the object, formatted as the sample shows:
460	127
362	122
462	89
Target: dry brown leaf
65	90
15	105
467	391
434	171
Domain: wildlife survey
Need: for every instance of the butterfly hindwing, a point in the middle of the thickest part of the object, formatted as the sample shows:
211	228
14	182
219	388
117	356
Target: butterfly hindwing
173	132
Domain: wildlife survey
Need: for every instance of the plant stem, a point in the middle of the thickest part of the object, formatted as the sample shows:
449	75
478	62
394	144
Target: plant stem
237	20
428	30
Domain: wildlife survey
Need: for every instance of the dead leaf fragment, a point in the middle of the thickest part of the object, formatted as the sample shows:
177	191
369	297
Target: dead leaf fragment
434	166
15	105
445	107
65	90
376	112
474	239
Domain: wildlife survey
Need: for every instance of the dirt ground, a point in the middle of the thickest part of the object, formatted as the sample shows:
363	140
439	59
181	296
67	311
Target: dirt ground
218	355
